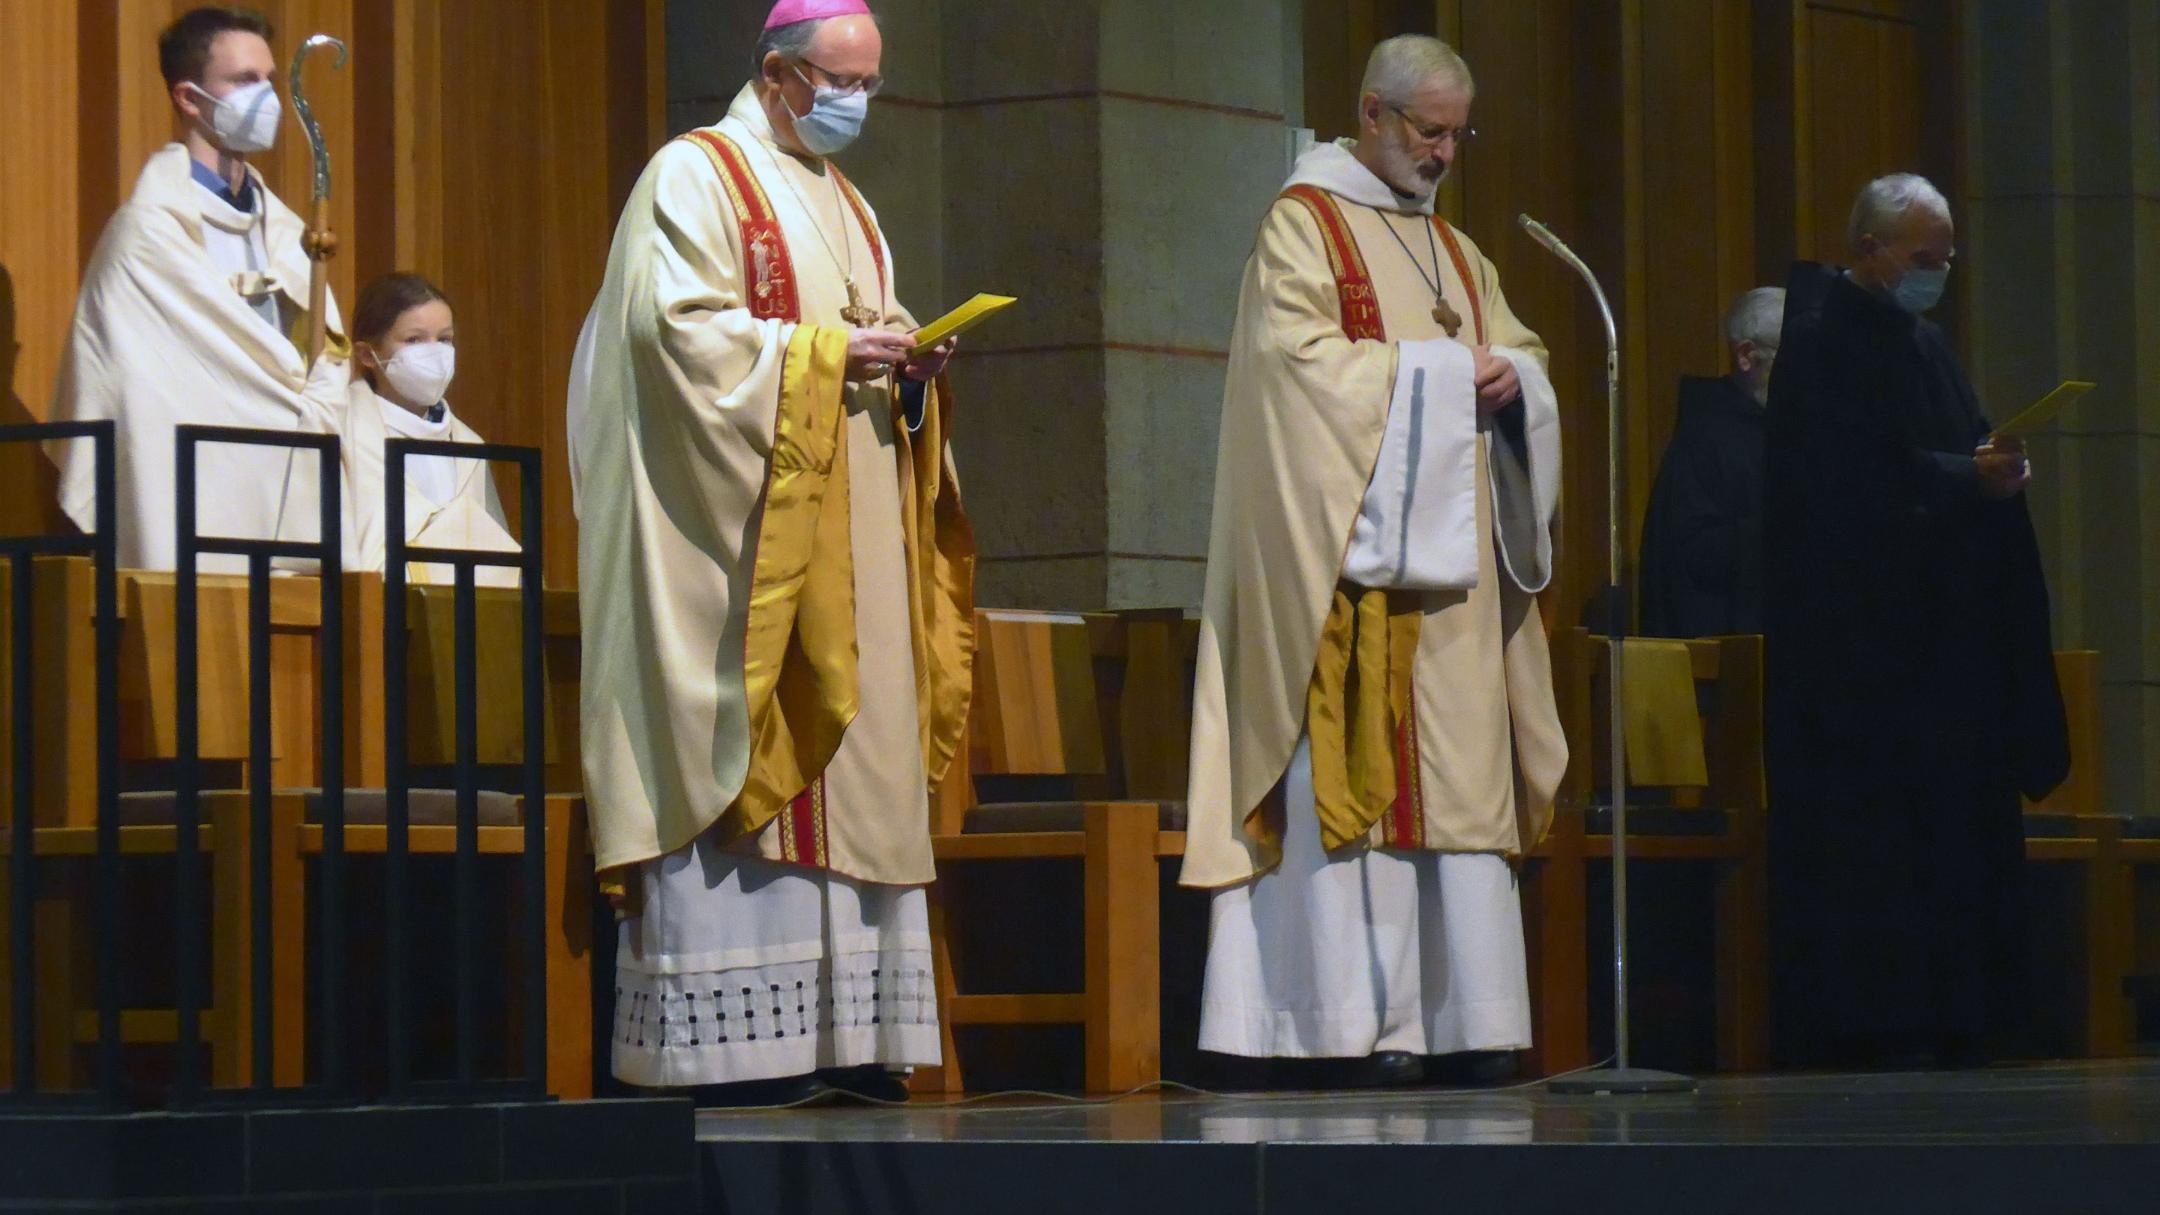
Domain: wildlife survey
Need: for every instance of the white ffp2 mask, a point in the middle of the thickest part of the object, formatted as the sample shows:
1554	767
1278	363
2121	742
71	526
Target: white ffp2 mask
245	120
422	372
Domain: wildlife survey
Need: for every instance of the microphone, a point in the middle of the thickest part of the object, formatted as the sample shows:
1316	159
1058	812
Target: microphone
1544	236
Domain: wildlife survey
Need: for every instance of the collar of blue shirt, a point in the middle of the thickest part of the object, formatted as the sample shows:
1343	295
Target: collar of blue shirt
207	178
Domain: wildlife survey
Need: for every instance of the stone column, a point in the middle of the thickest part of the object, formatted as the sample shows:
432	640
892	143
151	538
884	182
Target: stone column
2061	263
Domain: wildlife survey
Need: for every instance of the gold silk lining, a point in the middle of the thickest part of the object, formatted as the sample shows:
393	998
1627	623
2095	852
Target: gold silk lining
1355	708
800	679
941	580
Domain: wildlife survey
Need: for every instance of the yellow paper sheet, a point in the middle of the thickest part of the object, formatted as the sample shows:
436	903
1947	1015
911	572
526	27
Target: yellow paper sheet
2034	416
960	320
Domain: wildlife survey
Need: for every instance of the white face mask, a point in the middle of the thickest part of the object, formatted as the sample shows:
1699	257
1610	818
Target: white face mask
834	120
244	121
421	373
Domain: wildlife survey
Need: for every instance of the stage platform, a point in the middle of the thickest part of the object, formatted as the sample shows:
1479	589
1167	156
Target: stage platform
2029	1139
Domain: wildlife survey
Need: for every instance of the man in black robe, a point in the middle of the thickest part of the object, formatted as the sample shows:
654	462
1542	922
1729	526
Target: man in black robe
1702	540
1911	691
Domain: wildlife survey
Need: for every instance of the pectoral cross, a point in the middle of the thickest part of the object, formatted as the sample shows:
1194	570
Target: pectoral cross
1446	317
856	313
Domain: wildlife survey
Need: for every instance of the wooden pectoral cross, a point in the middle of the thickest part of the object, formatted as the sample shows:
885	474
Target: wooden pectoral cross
1447	317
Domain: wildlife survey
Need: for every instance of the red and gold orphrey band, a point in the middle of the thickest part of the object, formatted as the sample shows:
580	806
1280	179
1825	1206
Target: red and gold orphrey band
1404	825
774	295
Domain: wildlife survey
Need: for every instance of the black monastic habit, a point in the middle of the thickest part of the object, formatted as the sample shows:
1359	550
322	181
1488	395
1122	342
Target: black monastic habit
1702	539
1911	692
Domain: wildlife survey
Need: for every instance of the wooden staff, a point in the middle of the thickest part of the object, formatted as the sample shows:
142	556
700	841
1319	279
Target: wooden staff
319	241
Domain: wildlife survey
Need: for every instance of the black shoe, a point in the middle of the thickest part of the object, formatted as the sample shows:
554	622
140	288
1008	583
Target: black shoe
796	1091
1382	1069
1474	1068
870	1082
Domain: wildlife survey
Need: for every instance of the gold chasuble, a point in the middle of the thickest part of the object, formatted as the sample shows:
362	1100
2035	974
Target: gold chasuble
775	569
1430	711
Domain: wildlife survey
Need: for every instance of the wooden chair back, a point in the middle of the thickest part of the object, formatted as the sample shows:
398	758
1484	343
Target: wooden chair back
2078	673
1035	706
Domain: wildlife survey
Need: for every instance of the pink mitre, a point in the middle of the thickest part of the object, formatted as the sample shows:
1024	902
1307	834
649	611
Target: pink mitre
788	12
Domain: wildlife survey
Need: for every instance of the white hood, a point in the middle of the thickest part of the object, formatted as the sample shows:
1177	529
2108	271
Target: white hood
1331	167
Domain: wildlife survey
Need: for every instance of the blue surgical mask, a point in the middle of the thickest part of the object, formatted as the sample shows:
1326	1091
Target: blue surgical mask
1920	290
834	120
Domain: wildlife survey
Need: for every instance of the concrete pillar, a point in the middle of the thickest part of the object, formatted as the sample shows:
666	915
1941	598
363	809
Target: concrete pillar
2061	260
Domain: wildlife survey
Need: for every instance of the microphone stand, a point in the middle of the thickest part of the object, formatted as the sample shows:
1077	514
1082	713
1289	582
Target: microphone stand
1621	1077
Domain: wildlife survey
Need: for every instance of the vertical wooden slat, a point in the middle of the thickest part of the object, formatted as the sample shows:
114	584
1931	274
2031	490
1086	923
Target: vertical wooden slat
1124	947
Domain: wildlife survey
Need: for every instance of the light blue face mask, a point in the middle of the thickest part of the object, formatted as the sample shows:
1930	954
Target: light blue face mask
1920	290
834	120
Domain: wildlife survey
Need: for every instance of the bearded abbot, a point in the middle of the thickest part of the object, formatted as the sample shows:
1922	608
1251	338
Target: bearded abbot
1374	732
190	312
776	581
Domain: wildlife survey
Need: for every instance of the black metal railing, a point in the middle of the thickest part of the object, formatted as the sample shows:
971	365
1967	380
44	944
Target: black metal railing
327	552
338	1072
101	546
398	770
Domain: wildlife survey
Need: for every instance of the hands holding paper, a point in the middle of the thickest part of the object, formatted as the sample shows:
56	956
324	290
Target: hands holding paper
873	353
2003	467
929	363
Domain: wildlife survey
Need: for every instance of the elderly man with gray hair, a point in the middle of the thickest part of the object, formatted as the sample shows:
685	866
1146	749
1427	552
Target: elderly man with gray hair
1374	731
1702	540
1911	694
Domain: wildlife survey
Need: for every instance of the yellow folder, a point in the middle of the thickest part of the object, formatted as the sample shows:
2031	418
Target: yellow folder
2034	416
959	321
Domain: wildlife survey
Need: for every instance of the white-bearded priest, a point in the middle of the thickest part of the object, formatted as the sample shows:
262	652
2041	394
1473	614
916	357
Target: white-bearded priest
1374	736
776	593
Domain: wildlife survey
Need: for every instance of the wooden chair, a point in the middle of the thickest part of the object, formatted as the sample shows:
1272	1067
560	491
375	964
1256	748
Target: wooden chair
1039	711
2072	827
1720	823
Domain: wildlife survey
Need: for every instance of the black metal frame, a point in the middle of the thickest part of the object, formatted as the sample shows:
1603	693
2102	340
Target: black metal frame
101	545
327	551
396	648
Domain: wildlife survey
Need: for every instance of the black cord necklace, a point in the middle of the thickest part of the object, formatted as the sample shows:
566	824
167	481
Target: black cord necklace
1441	313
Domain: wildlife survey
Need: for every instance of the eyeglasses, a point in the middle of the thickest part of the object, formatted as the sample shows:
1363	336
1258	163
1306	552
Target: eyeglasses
1435	136
848	86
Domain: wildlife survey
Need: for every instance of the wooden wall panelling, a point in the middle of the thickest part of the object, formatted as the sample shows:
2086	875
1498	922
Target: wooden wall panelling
38	218
547	114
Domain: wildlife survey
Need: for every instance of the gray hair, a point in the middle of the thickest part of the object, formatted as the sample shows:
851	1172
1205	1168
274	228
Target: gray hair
1757	316
1402	63
1886	200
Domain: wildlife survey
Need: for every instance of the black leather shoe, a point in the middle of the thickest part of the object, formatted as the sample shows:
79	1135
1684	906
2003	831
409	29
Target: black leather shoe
870	1082
1382	1069
757	1094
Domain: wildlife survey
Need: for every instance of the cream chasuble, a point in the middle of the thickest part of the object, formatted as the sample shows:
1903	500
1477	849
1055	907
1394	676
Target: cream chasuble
470	517
1374	728
776	606
162	337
